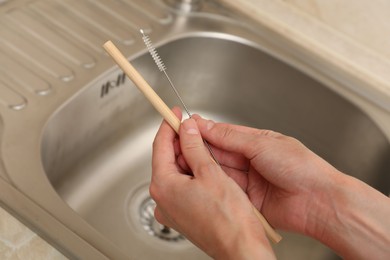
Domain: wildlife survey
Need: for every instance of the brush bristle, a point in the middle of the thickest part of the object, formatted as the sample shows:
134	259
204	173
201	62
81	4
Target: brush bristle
153	52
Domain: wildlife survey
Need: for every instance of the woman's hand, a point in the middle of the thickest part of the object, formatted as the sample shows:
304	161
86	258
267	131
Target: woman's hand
298	191
283	179
206	206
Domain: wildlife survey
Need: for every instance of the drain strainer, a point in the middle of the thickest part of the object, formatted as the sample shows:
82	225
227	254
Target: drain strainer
140	213
152	227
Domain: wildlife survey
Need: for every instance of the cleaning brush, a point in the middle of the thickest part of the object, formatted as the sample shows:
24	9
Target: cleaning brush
161	66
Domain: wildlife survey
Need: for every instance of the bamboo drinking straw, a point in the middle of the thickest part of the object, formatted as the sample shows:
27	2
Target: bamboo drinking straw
166	113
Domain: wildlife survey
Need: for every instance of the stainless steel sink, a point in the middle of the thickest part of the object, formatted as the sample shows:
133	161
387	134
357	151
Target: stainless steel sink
90	163
102	168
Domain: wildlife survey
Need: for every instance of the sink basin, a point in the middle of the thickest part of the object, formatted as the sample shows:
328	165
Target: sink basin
76	135
96	149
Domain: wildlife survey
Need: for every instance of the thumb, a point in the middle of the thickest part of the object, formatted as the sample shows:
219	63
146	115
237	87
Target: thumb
193	148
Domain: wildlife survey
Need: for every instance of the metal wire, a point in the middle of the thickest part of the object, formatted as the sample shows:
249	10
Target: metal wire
161	66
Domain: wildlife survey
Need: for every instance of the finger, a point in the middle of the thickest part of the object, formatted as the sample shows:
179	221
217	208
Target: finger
176	146
256	188
194	151
205	125
183	164
196	117
177	112
163	146
240	177
226	158
230	159
234	138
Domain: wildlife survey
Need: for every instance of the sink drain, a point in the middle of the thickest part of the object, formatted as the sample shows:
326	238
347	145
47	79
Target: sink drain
152	227
140	212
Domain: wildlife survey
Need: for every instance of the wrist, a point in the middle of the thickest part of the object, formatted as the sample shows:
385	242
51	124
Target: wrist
325	197
248	241
353	219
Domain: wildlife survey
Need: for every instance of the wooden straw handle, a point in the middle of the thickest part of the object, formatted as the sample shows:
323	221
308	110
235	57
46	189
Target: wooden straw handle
142	85
167	113
271	233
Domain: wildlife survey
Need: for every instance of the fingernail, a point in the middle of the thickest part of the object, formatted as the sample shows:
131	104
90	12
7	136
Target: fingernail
190	127
210	124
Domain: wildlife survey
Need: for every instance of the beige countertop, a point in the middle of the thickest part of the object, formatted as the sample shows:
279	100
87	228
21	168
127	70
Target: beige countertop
19	242
308	24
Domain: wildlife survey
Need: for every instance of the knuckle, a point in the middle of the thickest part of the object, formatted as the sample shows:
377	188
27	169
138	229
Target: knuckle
192	145
226	133
155	192
269	133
